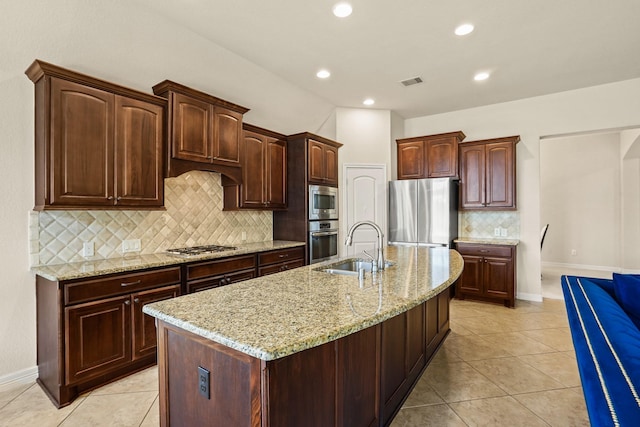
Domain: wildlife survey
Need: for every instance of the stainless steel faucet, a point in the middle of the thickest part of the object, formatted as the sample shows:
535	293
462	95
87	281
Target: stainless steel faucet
353	228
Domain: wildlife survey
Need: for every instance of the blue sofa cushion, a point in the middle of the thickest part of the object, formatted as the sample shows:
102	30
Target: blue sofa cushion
627	289
607	345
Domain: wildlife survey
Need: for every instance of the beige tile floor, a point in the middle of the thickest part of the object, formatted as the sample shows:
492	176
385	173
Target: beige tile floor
498	367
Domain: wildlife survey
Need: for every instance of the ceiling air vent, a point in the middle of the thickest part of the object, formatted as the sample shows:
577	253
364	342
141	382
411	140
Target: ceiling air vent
413	81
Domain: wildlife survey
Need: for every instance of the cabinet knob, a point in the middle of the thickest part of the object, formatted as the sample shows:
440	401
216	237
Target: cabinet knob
110	198
136	300
124	285
283	255
119	198
127	302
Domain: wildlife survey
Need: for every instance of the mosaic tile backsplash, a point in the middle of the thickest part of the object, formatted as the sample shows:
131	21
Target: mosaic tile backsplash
481	224
193	216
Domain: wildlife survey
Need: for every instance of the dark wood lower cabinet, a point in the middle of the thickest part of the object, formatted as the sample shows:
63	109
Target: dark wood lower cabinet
358	380
93	331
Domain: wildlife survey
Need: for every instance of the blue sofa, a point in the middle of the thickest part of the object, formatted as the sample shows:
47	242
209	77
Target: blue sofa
606	338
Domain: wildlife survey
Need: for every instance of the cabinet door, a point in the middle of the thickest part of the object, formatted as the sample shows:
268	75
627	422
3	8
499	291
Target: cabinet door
82	145
316	162
144	326
411	160
253	170
276	173
415	342
470	281
330	165
500	175
227	131
97	338
472	176
498	277
191	129
138	153
442	157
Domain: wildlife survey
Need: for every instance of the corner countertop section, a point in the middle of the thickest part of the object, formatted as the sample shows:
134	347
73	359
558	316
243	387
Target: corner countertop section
274	316
78	270
482	241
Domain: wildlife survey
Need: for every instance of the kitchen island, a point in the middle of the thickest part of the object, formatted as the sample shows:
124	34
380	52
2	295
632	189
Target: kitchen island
304	347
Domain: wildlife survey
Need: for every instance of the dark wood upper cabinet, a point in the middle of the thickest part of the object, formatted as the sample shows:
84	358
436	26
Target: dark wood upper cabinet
432	156
264	172
97	145
323	163
204	131
488	174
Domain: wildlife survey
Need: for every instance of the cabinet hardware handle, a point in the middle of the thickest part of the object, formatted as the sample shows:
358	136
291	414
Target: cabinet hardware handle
136	300
283	255
119	198
124	285
110	198
127	302
484	250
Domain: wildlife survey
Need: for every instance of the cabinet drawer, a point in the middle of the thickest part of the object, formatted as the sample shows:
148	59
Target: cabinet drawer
220	267
88	290
272	257
276	268
216	281
484	250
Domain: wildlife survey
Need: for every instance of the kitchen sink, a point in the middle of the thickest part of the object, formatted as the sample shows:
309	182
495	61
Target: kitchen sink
350	267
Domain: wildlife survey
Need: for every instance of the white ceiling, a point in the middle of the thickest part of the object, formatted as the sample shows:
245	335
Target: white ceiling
530	47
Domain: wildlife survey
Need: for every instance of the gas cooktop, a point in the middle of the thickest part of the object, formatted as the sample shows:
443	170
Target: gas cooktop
199	250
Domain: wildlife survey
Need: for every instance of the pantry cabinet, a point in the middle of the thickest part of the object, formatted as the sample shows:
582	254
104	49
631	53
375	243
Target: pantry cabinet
431	156
488	174
97	145
264	172
92	331
204	131
489	273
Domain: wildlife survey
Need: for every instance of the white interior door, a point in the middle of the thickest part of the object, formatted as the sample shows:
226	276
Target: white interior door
365	198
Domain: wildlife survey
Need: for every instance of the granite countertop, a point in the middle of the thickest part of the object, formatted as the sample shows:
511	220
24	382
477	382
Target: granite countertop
77	270
274	316
488	241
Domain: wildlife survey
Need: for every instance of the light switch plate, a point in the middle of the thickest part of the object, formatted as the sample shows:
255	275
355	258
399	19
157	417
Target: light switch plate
496	231
503	232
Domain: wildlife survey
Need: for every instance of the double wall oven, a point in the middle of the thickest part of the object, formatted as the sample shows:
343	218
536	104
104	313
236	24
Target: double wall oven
323	223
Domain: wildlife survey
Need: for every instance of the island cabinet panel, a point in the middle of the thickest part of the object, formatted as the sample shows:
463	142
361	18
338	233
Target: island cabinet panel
302	388
97	145
92	331
403	357
233	398
489	273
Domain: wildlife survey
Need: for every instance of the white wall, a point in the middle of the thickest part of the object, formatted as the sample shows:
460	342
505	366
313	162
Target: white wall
123	43
580	197
610	106
630	157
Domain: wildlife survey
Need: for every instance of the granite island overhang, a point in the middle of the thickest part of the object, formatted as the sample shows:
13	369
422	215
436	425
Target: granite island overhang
278	350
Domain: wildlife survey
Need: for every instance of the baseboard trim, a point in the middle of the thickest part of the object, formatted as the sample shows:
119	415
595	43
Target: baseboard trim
581	266
529	297
24	376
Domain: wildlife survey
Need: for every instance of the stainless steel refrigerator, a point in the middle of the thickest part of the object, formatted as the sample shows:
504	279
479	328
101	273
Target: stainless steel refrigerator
423	212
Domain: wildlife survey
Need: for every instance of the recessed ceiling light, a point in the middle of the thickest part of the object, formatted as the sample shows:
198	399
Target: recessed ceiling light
464	29
342	10
323	74
369	101
481	76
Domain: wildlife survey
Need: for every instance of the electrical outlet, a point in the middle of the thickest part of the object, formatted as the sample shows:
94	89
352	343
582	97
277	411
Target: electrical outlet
496	231
574	252
244	236
88	249
503	232
132	245
203	382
